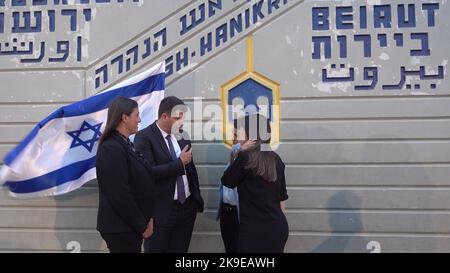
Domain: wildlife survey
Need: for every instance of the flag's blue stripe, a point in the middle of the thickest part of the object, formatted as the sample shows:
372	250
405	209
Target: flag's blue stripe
91	105
58	177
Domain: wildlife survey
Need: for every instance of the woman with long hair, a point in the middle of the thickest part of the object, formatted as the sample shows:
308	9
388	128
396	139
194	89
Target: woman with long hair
126	186
259	177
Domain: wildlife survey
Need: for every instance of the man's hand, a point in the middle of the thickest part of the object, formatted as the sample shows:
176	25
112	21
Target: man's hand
186	155
149	230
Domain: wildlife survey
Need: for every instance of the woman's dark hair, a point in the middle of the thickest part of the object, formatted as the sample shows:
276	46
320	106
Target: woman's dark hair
260	163
118	107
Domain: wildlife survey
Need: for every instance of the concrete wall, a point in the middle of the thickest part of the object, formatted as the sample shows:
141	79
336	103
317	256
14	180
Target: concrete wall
367	170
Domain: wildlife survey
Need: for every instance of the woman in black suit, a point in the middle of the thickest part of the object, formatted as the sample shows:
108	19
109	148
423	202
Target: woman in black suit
126	186
259	177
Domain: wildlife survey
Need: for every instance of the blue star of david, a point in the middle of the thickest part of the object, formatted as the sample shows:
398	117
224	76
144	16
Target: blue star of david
89	143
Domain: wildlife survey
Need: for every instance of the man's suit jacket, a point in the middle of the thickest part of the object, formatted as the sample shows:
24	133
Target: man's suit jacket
126	188
153	147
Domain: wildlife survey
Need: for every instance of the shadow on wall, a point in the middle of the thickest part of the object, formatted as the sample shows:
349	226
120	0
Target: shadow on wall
345	225
407	173
210	242
76	220
344	217
8	238
63	223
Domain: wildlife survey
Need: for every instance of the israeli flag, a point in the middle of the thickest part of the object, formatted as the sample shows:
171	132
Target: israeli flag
58	155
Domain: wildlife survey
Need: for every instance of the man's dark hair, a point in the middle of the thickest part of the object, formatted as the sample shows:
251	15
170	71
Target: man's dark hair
168	104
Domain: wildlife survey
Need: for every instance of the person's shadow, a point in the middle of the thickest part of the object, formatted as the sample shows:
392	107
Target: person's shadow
345	225
65	223
213	160
76	220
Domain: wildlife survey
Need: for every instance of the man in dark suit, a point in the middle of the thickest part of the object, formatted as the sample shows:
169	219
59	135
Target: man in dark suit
177	198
